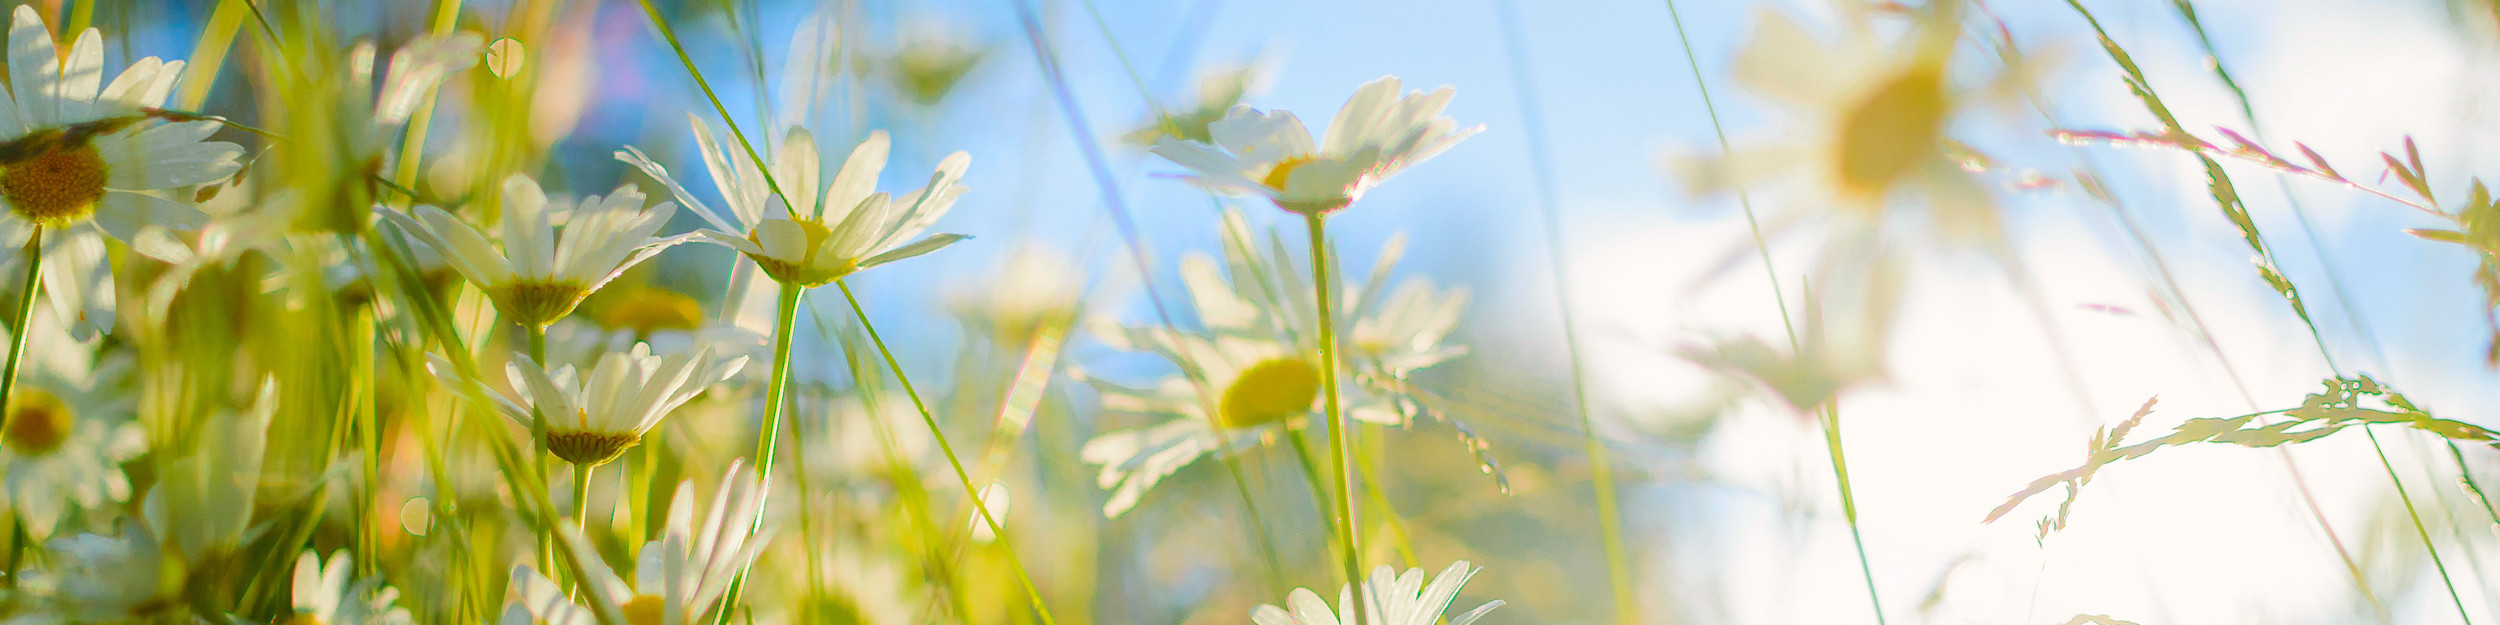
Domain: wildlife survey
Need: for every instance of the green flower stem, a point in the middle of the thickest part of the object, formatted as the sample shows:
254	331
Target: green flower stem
368	414
538	437
776	393
25	314
26	292
581	496
1849	501
1762	247
17	550
1015	562
1340	454
1541	168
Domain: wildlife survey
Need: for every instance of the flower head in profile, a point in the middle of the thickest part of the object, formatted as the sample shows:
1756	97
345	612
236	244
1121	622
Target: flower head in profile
592	420
930	63
539	275
826	230
79	153
324	595
677	579
1388	597
1377	134
1218	92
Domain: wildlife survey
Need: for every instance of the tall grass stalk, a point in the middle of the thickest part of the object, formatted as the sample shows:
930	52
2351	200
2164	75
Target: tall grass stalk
1122	221
1762	246
1032	592
1540	161
2233	208
1849	502
216	39
2353	315
2167	286
411	153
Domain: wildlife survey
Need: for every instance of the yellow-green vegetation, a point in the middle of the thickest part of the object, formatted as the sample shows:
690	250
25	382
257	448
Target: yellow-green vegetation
646	312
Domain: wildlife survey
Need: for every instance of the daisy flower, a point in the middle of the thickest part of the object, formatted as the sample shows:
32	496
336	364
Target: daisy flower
1870	119
68	432
647	310
203	500
1256	389
323	595
677	578
77	153
1390	599
836	228
131	577
1036	291
1249	377
591	421
1405	334
538	276
862	443
1377	134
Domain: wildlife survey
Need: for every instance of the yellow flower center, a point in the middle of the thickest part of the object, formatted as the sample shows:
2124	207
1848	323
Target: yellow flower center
1283	171
650	309
645	610
39	423
587	448
303	618
538	301
1280	178
1270	391
57	187
803	271
1891	134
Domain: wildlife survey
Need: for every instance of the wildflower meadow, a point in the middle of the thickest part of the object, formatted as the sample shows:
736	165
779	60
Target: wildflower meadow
1378	312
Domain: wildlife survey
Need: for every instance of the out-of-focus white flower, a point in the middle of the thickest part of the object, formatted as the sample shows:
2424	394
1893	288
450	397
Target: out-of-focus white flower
1374	136
324	596
69	430
131	577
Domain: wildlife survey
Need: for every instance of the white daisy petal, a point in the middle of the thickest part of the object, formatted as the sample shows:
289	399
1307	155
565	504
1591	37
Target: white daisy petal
34	66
